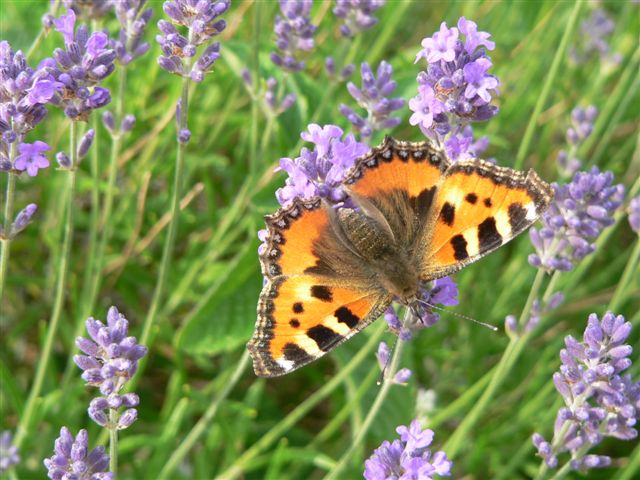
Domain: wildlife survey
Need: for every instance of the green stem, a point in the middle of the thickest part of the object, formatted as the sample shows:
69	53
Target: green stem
630	269
269	438
61	287
255	103
113	442
511	353
8	218
173	223
336	471
546	89
199	428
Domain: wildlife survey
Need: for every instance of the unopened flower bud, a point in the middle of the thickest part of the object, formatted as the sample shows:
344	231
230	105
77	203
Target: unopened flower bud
23	219
85	143
63	160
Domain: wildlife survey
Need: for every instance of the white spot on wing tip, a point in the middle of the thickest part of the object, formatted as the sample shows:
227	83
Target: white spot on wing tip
532	214
287	365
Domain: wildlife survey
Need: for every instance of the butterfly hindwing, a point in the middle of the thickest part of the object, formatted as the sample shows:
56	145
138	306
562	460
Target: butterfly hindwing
315	295
478	207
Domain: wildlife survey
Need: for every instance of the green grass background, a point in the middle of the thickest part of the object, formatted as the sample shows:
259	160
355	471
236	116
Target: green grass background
208	311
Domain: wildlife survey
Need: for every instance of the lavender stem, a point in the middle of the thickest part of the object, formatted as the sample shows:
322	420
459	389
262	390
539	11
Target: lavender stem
61	287
113	442
173	224
8	217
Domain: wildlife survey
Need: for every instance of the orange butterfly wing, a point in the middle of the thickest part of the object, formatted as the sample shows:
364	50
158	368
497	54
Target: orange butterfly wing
479	207
316	295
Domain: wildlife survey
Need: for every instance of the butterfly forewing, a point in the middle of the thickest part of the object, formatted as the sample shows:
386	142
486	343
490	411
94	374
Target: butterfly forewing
478	207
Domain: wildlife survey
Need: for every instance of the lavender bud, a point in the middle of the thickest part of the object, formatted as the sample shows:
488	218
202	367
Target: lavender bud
127	418
85	143
23	219
184	135
108	121
63	160
127	123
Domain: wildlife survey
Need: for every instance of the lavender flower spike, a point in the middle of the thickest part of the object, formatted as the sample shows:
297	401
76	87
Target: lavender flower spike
8	452
408	457
130	43
600	400
294	34
72	459
319	172
84	63
580	211
111	360
23	95
357	15
201	20
457	88
374	98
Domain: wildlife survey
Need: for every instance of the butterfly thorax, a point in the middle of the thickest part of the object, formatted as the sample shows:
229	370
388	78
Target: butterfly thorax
388	262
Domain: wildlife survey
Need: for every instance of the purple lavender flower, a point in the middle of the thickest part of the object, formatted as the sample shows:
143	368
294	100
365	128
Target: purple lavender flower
8	452
358	15
408	457
582	120
294	34
72	459
319	172
600	400
577	216
593	41
374	98
23	95
402	376
80	67
442	291
634	214
134	19
456	89
111	360
30	157
199	19
23	219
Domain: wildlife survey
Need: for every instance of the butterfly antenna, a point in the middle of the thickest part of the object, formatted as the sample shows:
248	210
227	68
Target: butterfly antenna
488	325
381	377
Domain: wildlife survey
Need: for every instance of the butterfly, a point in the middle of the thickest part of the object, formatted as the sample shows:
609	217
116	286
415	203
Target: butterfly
418	216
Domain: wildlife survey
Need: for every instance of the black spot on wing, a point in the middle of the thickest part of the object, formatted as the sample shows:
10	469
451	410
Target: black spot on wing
344	315
448	213
487	202
294	322
488	235
322	293
295	354
472	198
324	337
298	308
517	217
459	244
422	203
